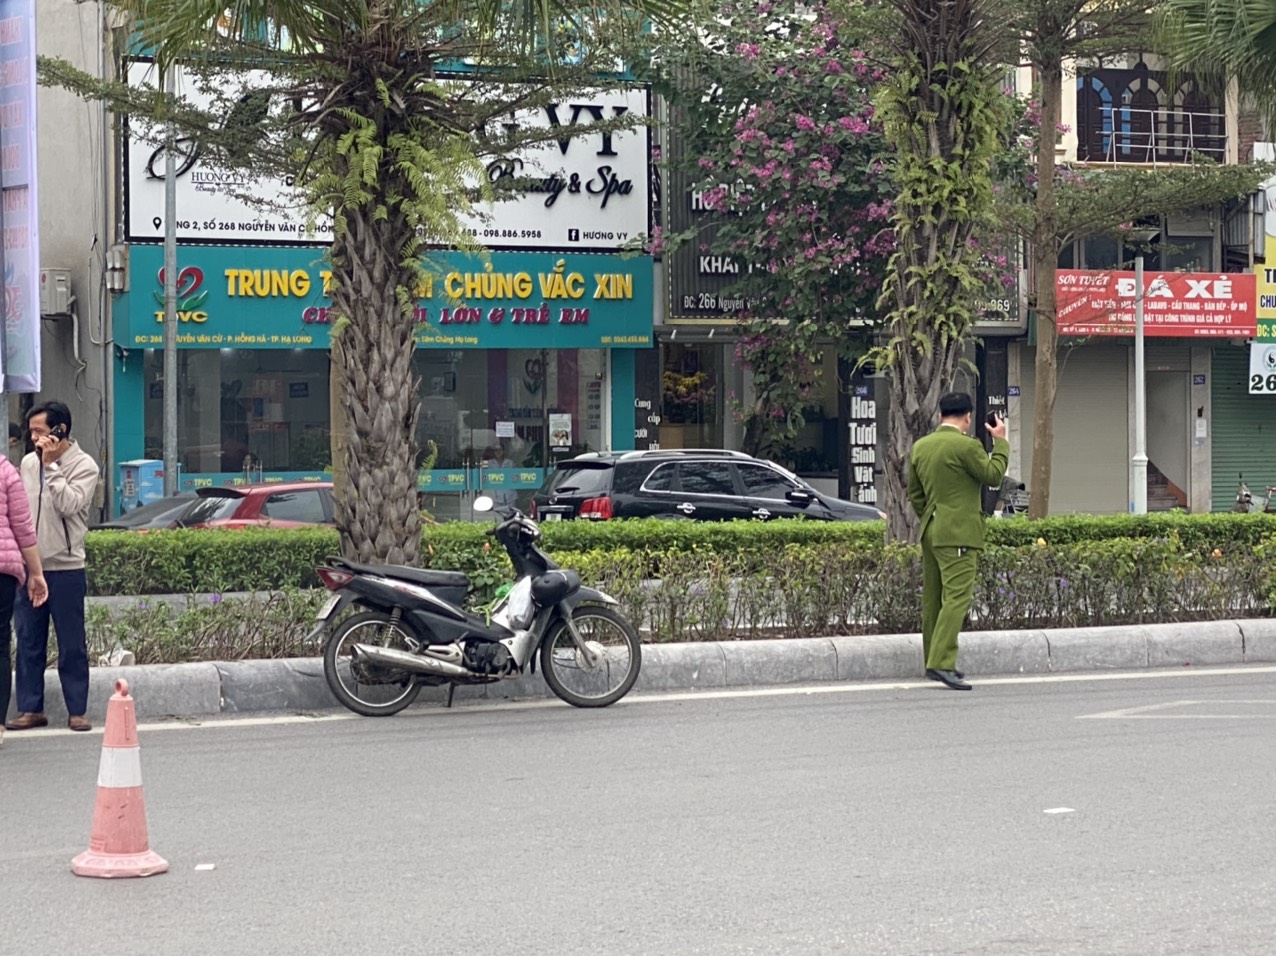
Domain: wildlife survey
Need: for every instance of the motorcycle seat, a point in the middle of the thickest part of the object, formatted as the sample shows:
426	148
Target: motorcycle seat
401	572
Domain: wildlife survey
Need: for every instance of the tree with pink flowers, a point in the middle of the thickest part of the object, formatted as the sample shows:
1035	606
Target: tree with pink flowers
776	112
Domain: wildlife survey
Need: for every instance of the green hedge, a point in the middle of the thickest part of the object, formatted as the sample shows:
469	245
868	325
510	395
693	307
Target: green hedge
180	562
795	591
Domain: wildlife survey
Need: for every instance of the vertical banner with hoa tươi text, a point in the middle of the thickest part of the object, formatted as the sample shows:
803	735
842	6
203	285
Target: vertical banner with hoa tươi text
19	209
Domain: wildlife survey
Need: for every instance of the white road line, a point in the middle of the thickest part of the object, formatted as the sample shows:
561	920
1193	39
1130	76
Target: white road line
1150	711
797	690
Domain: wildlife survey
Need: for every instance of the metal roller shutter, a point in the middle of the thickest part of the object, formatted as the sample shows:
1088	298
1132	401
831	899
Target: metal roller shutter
1091	430
1244	427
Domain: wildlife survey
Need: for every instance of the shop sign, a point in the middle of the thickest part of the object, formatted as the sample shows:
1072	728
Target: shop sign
701	282
20	208
213	204
1002	313
863	445
278	298
1265	292
1262	368
587	191
1175	304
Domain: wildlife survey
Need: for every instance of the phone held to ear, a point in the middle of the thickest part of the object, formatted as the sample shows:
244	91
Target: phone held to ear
59	432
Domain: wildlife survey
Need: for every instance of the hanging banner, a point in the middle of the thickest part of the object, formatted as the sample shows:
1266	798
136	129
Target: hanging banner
1175	304
19	206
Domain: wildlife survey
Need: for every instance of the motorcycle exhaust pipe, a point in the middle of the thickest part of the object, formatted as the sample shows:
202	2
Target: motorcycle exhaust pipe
418	663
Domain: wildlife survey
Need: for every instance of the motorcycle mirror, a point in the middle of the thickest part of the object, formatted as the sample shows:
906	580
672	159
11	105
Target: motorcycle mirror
483	504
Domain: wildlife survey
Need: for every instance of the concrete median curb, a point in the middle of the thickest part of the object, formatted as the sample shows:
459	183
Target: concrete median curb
297	684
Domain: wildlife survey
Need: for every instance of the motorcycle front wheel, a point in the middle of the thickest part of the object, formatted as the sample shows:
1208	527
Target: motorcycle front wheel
371	690
567	671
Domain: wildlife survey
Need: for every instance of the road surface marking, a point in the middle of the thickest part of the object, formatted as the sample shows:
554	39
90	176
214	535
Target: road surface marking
1157	711
1059	810
438	711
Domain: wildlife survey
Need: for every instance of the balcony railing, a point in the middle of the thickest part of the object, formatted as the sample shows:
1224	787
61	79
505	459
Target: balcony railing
1130	116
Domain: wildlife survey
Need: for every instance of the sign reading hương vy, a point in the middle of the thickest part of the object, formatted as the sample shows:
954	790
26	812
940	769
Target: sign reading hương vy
214	204
231	297
590	190
585	189
1182	304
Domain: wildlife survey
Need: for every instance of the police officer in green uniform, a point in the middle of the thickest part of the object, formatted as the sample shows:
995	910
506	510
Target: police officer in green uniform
947	472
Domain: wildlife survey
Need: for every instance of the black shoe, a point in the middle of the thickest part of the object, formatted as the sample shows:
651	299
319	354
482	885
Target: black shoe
960	675
948	678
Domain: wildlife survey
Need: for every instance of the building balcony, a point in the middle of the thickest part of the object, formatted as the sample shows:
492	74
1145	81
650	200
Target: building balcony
1135	117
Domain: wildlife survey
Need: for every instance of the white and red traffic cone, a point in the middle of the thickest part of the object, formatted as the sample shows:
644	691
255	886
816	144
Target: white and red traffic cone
118	844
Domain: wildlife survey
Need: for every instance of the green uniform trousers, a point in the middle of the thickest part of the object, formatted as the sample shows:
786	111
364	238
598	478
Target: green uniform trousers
948	582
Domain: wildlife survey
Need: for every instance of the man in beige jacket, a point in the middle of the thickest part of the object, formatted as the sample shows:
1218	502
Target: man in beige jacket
60	479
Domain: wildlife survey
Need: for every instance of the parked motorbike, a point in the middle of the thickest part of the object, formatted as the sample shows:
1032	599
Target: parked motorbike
1248	503
410	630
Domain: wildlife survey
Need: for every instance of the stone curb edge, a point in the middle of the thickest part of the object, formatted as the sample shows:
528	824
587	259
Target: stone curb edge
297	684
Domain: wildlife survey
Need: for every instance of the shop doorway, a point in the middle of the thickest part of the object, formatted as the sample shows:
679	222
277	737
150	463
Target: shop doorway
494	420
1169	451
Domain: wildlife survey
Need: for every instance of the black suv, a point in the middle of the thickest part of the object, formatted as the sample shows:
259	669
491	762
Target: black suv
702	484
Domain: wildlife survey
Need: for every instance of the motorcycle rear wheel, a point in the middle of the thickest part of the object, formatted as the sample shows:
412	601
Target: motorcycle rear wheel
562	662
382	691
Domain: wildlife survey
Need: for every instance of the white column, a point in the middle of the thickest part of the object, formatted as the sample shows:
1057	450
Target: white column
1139	461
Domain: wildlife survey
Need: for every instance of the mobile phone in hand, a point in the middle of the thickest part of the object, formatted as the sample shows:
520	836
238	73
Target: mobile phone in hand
992	420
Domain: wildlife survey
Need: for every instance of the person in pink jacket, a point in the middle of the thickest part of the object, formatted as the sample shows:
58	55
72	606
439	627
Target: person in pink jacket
19	565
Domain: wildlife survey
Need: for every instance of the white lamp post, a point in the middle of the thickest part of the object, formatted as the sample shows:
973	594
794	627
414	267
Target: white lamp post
1139	460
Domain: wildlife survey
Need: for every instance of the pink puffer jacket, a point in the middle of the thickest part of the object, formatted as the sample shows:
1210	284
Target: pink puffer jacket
17	530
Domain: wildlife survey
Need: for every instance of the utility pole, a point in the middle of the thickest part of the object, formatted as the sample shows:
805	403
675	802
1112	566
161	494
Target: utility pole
170	299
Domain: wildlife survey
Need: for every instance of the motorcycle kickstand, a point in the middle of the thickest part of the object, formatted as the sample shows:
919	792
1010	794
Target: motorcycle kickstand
451	689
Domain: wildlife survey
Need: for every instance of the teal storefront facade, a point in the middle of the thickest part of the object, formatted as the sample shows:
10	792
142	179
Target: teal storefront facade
523	358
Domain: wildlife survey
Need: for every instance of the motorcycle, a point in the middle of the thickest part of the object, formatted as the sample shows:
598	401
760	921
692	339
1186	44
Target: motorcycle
410	630
1248	503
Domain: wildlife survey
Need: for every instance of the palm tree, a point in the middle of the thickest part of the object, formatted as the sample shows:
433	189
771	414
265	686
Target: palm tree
394	152
1227	40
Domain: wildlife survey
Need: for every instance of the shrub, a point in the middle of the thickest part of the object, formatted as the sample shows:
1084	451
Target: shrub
795	591
179	562
212	629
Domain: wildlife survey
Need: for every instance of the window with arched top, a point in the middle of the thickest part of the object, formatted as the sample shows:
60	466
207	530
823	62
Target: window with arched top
1131	116
1141	124
1199	127
1094	119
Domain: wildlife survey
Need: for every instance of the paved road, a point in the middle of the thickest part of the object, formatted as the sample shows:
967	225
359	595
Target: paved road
862	819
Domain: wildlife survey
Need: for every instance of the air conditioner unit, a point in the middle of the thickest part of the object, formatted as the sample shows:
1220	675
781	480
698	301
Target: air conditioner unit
55	292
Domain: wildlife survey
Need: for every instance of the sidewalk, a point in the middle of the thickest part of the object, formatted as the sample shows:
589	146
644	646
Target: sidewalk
195	690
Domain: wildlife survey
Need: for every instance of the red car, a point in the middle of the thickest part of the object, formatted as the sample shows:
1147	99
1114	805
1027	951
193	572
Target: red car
272	505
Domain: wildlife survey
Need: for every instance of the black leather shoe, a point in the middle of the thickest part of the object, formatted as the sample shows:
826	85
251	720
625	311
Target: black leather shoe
948	679
960	675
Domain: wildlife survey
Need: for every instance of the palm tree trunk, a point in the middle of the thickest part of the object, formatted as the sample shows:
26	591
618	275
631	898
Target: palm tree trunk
377	513
339	427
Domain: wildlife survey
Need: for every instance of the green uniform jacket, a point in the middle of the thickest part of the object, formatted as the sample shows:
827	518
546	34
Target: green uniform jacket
946	474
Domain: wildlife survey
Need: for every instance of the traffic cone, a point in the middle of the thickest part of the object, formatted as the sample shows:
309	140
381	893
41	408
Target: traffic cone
118	845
